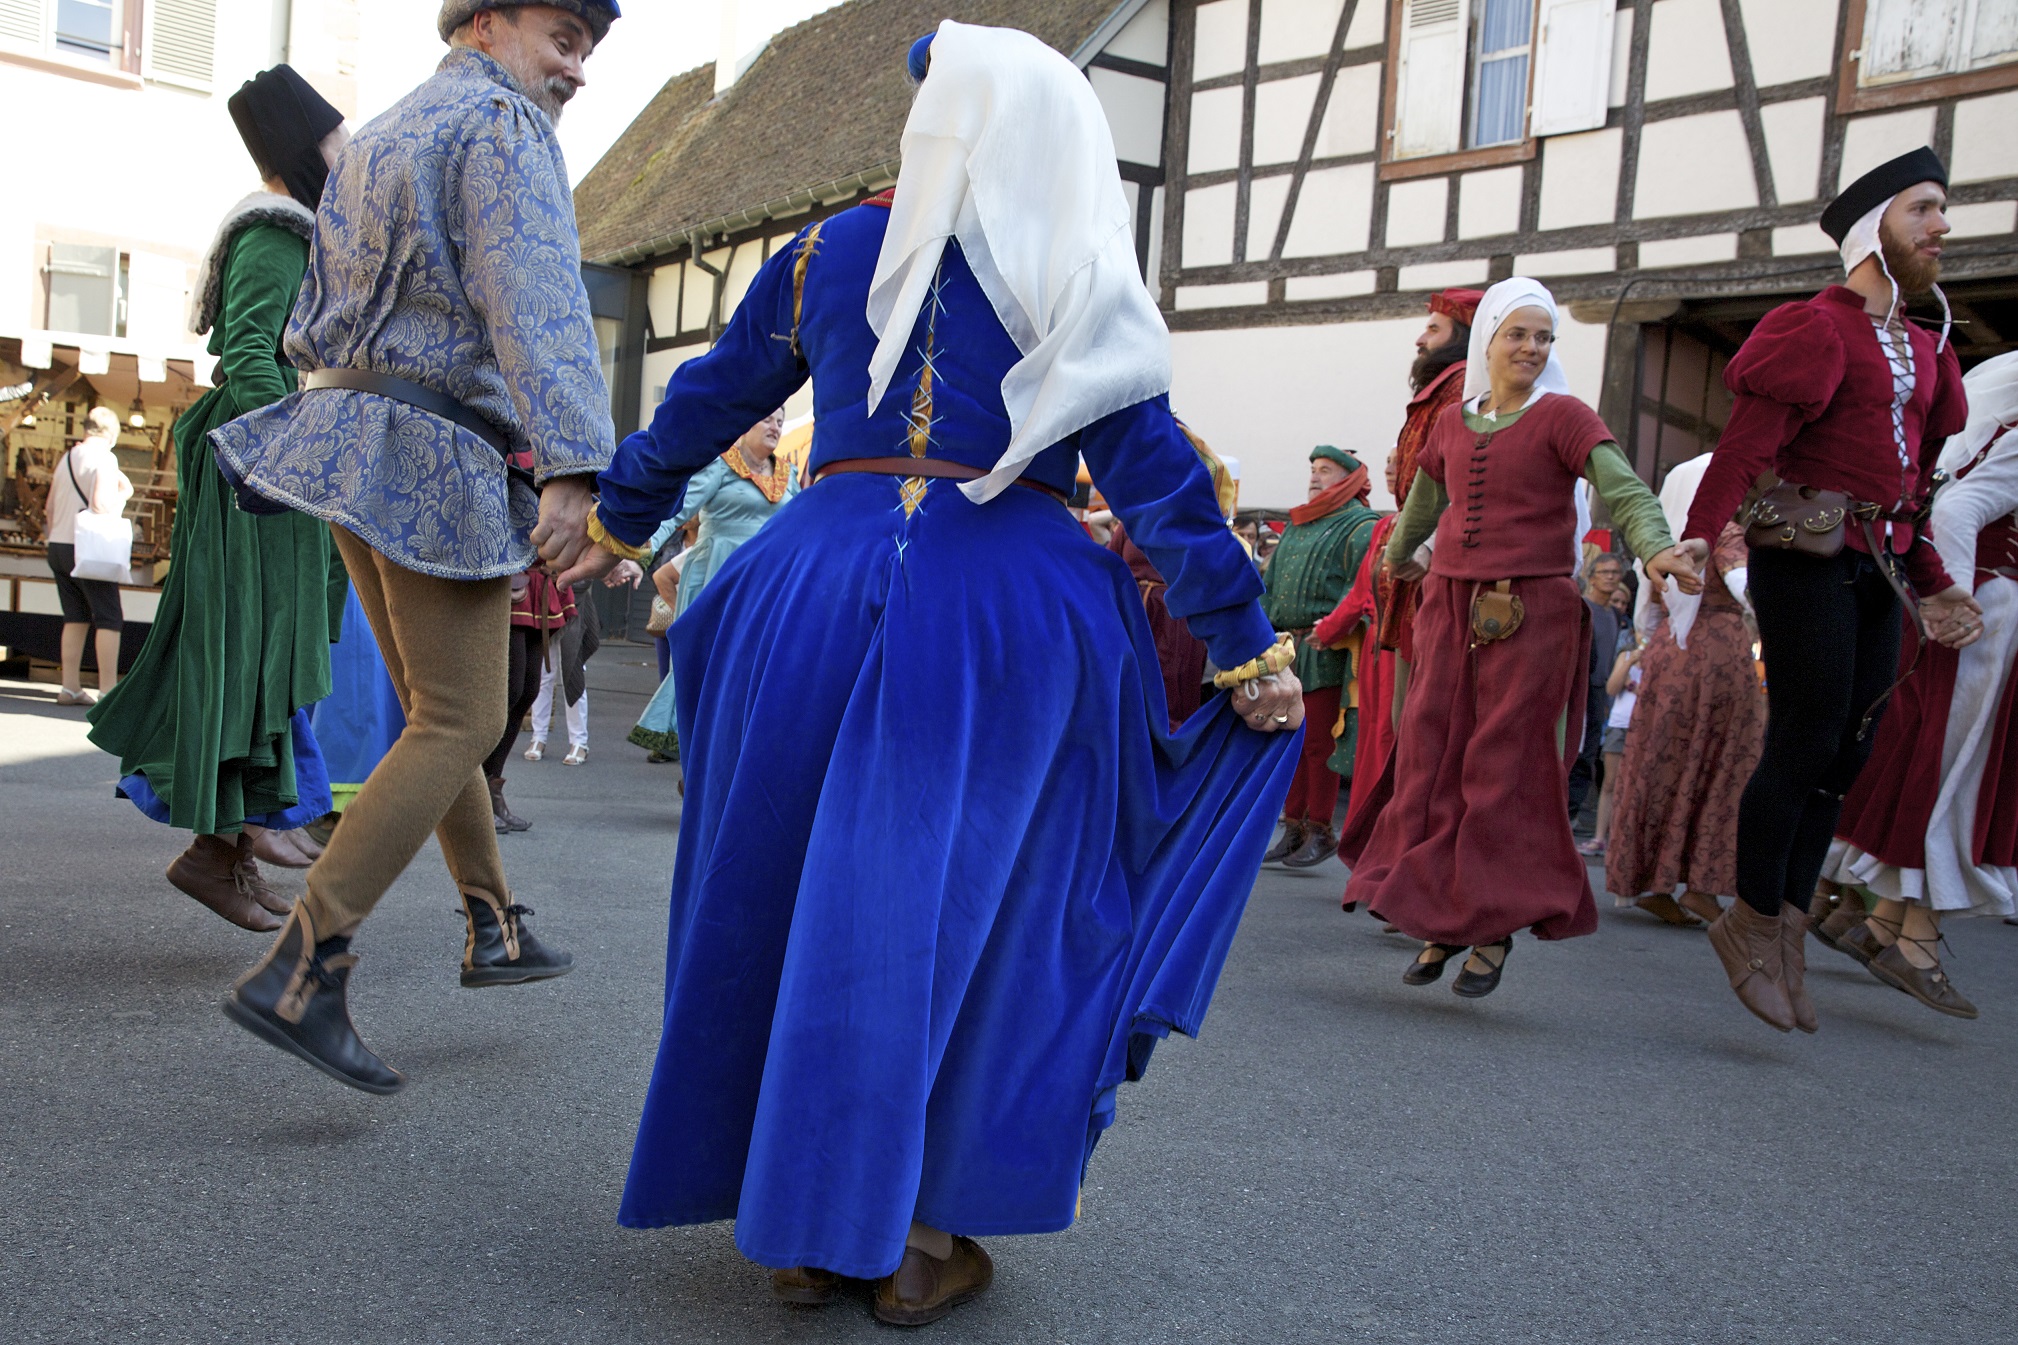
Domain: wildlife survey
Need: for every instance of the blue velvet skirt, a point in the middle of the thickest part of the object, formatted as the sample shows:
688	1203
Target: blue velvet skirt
944	875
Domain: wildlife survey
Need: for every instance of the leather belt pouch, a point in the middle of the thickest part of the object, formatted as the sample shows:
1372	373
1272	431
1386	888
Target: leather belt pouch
1496	612
1793	517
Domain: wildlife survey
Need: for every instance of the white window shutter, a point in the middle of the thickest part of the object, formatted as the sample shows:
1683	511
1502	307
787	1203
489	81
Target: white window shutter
1573	70
180	46
23	22
1995	39
1429	86
1909	39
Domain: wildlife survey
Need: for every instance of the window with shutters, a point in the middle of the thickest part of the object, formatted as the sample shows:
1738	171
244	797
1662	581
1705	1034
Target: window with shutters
1912	51
88	32
182	42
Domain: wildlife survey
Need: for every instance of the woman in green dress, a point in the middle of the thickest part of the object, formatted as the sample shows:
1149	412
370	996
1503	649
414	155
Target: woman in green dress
734	495
210	724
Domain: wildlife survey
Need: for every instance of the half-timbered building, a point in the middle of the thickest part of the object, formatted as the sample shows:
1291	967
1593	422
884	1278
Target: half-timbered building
1305	172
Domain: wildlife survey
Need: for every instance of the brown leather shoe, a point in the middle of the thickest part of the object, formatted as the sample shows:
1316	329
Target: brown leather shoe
210	870
1662	907
256	886
1703	906
1748	944
1929	985
1290	842
502	816
1859	942
805	1286
1319	844
1794	965
924	1289
1844	916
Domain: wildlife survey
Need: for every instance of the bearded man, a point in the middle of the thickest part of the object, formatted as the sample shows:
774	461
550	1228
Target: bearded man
1313	567
1437	381
1840	395
450	371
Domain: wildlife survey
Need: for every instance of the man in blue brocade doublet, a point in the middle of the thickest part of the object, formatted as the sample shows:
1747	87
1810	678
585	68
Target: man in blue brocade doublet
945	875
443	332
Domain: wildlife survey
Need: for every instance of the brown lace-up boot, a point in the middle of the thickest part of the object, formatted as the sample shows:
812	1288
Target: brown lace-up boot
1319	844
1287	844
1794	965
217	873
1749	946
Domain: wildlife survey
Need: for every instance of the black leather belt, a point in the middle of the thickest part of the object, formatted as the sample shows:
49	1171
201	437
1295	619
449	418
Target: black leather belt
417	395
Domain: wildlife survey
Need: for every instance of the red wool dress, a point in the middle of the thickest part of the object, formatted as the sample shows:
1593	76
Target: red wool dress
1373	667
1475	842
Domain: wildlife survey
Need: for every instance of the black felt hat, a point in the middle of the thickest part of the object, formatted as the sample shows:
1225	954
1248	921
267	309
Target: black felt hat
1880	185
283	121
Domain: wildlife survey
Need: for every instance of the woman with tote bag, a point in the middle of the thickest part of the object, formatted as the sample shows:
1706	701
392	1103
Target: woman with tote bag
86	497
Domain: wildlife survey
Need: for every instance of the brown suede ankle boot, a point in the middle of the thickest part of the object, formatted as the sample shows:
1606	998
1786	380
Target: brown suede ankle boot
1748	944
256	886
1794	965
1844	916
211	871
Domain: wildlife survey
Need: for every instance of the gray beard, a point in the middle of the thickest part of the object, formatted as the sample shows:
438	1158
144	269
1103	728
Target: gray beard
552	98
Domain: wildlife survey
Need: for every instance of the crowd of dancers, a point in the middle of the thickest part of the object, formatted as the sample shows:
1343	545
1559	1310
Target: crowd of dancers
970	796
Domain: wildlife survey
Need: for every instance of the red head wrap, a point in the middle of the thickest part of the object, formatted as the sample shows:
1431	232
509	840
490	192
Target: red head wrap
1459	305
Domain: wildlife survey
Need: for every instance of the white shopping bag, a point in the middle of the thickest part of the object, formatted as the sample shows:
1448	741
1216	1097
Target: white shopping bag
104	548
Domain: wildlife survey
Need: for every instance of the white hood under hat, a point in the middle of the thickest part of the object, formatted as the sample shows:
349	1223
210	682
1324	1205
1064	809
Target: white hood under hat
1008	150
1510	294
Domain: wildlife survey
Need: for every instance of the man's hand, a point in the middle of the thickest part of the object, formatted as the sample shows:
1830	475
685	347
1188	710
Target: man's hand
1953	617
1682	563
1410	571
627	572
563	530
1271	703
592	562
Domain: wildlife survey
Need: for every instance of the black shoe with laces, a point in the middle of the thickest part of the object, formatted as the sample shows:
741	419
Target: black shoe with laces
297	998
499	949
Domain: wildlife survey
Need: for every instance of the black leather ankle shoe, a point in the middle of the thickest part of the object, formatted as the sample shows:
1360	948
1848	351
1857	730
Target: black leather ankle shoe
1423	973
499	949
1477	985
297	998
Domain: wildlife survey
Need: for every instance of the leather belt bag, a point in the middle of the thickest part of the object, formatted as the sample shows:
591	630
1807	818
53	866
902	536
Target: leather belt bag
1496	612
1807	519
417	395
939	469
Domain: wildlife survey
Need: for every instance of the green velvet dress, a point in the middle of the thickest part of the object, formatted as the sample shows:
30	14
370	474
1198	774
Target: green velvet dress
206	716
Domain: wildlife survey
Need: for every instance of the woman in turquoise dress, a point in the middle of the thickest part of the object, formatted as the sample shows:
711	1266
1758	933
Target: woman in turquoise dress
734	496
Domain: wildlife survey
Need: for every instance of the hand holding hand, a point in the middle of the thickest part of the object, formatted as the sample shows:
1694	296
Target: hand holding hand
563	528
1271	703
591	562
1410	571
1953	617
627	572
1683	563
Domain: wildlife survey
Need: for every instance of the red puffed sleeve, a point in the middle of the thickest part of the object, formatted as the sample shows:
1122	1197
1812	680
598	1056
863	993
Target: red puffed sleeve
1948	415
1784	376
1357	604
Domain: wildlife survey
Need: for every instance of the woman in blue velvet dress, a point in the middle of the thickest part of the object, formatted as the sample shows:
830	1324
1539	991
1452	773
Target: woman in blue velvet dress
945	875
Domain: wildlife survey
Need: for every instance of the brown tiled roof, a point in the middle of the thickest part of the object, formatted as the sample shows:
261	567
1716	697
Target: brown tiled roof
824	104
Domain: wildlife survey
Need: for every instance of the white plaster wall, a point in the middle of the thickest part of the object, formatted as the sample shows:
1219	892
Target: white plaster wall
1208	225
1870	141
1265	200
1351	118
1292	29
1489	203
1986	138
1686	52
1691	165
1622	58
1281	115
1215	130
1369	25
1580	178
1415	211
1221	43
1333	212
1794	146
1134	108
1269	395
1790	39
1147	36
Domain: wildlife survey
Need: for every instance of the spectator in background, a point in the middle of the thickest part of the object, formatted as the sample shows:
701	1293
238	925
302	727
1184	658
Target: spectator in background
1602	583
86	478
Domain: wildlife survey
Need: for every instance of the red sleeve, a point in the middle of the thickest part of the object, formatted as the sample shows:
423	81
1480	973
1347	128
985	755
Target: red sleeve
1357	604
1430	459
1576	431
1950	412
1781	378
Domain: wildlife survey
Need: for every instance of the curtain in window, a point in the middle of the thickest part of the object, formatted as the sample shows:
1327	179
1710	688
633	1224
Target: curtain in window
1499	94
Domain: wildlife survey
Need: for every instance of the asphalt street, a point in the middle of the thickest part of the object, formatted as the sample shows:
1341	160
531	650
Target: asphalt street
1608	1149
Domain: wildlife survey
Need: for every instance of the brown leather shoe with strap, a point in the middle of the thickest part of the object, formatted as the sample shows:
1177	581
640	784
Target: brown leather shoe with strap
1748	944
1794	965
804	1286
924	1289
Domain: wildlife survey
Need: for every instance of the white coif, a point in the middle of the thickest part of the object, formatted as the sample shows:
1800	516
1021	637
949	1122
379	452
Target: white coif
1008	151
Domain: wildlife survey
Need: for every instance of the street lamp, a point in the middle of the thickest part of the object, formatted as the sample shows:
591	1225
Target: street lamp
138	420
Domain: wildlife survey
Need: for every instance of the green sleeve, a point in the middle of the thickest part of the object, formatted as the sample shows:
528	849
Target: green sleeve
1419	513
262	276
1635	511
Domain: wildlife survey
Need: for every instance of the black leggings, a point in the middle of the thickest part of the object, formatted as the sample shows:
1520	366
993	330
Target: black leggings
1830	632
524	689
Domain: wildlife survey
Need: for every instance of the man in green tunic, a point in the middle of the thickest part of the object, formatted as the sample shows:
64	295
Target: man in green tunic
1313	566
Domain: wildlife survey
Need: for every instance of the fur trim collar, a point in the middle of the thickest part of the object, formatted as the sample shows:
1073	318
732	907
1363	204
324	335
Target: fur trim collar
262	207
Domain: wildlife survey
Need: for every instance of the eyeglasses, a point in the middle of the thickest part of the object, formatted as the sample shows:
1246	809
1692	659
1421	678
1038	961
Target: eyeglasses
1518	337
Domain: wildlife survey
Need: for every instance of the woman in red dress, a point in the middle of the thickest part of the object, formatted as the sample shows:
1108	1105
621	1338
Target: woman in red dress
1475	842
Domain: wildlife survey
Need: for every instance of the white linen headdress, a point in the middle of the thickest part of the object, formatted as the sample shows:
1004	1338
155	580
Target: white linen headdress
1008	151
1862	241
1992	387
1502	299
